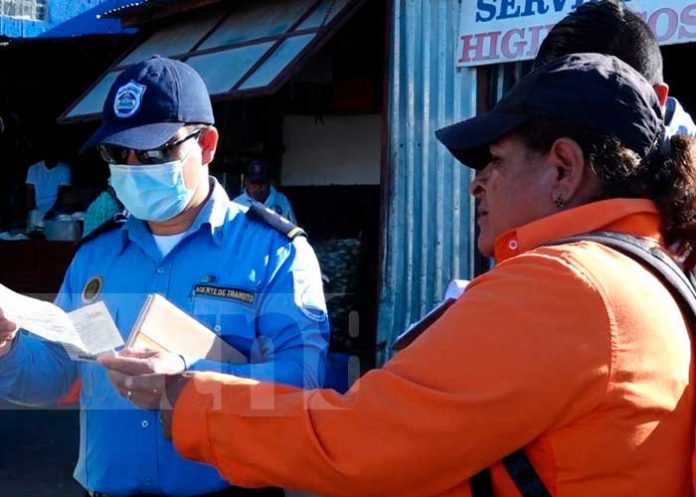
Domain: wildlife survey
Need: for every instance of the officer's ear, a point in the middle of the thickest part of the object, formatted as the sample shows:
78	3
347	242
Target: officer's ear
208	142
662	92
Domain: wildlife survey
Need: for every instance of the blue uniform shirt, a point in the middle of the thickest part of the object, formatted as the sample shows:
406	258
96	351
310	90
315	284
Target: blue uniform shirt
677	121
276	317
276	201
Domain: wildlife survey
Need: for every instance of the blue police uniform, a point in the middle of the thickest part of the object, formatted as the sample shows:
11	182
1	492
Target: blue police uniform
277	201
677	120
250	283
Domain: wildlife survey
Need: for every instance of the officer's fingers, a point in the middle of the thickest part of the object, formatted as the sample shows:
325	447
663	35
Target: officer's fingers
117	379
125	365
8	335
6	340
138	353
7	326
151	384
129	388
146	391
145	401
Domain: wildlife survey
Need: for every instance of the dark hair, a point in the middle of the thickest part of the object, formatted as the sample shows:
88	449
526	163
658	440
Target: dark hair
610	28
666	177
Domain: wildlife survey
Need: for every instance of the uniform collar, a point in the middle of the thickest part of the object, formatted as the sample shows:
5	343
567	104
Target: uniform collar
639	217
271	196
212	215
214	212
272	192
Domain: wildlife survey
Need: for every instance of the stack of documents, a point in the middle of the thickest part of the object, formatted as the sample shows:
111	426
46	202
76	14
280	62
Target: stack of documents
83	333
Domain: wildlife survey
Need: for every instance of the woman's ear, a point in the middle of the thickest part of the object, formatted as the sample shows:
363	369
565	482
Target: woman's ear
572	171
208	141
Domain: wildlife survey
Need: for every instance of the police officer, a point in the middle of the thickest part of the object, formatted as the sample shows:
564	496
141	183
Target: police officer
258	187
247	274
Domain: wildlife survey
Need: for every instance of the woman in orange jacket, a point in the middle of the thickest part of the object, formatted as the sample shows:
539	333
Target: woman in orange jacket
573	352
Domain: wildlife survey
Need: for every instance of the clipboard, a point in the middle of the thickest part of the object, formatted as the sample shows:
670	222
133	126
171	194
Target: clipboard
163	326
419	327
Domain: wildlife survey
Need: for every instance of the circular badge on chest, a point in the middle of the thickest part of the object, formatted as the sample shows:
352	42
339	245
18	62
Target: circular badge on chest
92	289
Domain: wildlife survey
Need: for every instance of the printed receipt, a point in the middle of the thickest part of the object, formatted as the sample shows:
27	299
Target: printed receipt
83	333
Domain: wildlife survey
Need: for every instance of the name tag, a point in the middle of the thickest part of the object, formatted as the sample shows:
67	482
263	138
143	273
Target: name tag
224	293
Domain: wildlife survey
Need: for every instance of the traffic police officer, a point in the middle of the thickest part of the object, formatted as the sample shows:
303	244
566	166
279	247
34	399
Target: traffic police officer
258	187
245	273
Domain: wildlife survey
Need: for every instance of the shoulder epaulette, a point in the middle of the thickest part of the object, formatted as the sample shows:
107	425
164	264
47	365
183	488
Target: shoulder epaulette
260	213
111	224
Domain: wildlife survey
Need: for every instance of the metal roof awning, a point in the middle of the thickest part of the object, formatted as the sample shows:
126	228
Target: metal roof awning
138	12
250	48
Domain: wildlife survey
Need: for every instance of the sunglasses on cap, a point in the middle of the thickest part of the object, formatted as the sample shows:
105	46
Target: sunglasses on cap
113	154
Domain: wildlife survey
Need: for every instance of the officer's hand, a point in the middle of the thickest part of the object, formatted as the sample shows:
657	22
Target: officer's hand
139	375
8	332
174	385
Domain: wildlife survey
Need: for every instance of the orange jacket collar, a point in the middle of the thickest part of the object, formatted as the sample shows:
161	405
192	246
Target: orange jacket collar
635	216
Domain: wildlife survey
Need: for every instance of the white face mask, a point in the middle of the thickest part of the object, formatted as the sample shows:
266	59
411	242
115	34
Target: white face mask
152	193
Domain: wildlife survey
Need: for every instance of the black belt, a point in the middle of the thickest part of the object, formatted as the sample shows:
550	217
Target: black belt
228	492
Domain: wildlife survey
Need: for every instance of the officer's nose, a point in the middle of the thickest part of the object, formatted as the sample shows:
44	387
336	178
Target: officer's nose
132	159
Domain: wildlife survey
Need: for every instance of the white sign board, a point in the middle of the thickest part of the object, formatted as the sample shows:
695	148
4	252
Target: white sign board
497	31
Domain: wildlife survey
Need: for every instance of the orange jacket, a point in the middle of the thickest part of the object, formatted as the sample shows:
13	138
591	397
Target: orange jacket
575	352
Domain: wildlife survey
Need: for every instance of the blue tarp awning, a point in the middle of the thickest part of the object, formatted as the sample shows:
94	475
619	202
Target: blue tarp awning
90	23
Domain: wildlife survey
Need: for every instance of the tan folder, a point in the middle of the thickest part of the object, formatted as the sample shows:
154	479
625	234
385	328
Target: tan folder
163	326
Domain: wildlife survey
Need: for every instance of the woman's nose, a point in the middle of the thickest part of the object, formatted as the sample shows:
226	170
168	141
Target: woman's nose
477	186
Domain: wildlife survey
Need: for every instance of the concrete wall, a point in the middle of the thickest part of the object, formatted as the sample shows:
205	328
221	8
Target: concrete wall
338	150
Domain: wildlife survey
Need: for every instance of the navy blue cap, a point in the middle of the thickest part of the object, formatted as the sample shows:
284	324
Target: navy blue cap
597	92
151	101
259	170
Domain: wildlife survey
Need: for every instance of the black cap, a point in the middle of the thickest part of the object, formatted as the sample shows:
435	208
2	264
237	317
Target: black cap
151	101
259	171
597	92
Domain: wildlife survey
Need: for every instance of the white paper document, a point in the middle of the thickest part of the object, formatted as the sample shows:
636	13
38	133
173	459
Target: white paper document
83	333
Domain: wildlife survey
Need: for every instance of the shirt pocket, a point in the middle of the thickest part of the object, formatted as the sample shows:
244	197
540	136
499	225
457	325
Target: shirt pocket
234	322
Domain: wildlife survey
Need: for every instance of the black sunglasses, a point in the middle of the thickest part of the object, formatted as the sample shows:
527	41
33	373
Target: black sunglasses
114	154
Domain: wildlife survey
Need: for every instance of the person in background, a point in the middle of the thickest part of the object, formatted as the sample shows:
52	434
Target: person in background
47	185
610	27
567	351
102	210
258	187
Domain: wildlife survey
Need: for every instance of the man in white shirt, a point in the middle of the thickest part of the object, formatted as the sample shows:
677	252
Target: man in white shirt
44	183
258	187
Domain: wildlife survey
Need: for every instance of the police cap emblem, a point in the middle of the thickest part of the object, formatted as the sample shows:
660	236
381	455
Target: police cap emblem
128	99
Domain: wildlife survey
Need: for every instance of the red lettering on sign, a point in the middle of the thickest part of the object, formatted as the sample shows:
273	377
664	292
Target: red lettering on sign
477	43
536	32
519	44
669	25
688	18
672	23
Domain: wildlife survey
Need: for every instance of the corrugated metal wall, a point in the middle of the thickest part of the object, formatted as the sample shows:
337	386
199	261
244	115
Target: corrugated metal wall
429	219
